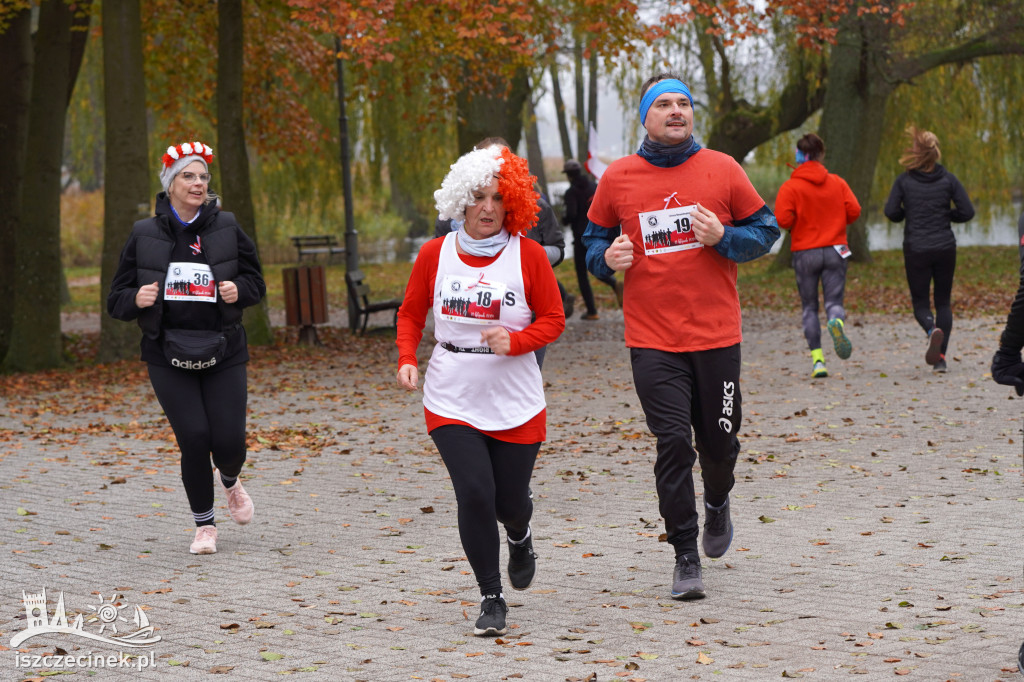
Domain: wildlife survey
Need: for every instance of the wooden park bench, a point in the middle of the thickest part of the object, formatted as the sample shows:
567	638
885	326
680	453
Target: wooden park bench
359	299
314	245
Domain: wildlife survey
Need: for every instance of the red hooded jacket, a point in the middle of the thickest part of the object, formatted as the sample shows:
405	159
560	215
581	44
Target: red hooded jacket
815	206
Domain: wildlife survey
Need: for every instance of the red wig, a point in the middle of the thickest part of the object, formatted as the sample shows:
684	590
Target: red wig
517	194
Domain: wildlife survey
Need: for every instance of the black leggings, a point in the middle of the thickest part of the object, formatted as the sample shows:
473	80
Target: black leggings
822	264
207	413
492	483
922	270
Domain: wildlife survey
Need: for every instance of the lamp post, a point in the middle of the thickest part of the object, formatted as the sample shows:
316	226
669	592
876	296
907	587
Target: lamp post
351	236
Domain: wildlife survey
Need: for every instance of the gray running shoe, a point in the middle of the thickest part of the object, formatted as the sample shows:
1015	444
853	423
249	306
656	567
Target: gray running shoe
717	530
493	610
686	581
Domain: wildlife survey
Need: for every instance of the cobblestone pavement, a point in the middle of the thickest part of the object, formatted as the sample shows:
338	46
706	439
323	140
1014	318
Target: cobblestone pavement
877	516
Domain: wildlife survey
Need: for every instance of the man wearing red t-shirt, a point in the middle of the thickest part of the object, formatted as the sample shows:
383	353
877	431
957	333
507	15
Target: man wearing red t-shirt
675	218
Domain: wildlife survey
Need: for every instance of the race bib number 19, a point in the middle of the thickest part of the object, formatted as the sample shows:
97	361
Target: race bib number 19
190	282
467	299
668	230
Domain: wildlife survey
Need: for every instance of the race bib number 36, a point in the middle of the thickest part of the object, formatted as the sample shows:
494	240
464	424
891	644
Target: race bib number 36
190	282
466	299
668	230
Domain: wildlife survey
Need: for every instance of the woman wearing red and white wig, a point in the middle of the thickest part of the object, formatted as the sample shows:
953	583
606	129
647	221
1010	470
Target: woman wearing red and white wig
483	396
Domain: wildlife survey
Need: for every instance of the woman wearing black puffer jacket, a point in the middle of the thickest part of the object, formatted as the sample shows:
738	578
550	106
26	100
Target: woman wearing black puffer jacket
185	275
930	198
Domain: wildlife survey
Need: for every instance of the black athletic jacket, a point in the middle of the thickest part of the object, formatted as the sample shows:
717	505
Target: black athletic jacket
924	200
229	252
1012	339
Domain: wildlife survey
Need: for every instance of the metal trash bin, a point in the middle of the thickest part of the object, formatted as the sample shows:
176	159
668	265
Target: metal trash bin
305	301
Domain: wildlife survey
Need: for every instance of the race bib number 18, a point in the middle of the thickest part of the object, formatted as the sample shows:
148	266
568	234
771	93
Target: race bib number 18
467	299
668	230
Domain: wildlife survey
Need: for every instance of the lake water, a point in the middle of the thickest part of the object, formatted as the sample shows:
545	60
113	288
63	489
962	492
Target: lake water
999	230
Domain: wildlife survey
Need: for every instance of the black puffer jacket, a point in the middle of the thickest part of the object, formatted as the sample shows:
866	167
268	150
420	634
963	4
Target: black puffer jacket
924	200
147	253
1012	338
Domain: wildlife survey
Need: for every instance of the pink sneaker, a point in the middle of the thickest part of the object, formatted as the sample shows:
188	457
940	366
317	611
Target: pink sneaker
239	503
206	540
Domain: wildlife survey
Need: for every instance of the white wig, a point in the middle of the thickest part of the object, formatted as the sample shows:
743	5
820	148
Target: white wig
472	171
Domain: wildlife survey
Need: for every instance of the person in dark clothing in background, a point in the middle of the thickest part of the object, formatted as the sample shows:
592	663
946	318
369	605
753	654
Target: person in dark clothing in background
1007	366
577	202
930	198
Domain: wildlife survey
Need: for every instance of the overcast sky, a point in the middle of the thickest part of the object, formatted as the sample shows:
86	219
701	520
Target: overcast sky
610	123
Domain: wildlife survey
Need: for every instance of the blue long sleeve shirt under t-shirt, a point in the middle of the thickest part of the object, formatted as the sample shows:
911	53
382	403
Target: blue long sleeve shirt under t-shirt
749	238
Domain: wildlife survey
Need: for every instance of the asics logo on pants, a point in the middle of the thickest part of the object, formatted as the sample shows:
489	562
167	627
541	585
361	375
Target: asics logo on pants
728	391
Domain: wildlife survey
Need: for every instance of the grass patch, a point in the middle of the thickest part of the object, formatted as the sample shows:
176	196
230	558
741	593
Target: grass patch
986	281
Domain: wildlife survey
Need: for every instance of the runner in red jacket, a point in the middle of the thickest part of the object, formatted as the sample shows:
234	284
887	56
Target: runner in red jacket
816	206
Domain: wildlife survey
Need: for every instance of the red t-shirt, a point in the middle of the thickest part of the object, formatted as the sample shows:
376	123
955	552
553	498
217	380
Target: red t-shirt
679	301
542	297
815	206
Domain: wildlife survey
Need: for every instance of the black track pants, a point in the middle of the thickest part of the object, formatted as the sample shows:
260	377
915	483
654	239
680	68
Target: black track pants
922	270
492	485
579	261
207	414
682	390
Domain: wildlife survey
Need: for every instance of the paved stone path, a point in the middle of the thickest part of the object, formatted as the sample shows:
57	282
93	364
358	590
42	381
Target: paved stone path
877	514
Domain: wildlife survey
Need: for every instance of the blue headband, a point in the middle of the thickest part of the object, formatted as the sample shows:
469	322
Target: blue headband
660	88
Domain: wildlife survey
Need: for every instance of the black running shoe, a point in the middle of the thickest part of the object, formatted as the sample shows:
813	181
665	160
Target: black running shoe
686	580
493	610
522	563
717	530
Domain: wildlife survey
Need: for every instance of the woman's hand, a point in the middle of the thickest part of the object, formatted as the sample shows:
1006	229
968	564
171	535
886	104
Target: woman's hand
146	295
498	339
228	291
408	377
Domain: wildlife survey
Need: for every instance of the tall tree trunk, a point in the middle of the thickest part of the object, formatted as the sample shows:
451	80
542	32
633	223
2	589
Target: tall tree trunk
16	84
80	20
35	335
592	74
534	155
853	116
581	112
126	172
493	114
563	128
234	159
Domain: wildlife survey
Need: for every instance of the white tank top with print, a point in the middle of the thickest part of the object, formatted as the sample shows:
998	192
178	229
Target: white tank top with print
490	392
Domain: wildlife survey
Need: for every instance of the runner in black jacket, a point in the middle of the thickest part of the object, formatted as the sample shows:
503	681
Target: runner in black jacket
930	198
188	272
